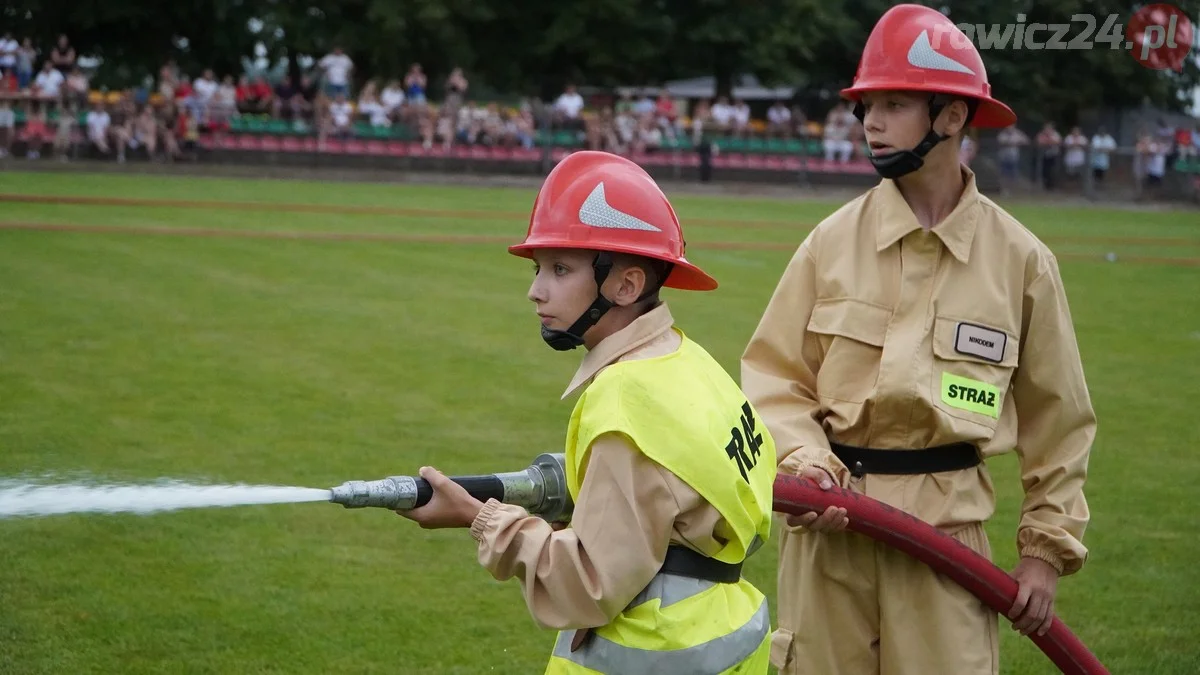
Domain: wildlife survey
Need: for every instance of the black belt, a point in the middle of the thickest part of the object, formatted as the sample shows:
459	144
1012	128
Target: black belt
862	461
685	562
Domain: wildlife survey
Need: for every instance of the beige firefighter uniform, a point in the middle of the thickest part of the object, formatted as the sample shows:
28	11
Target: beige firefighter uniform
882	334
627	510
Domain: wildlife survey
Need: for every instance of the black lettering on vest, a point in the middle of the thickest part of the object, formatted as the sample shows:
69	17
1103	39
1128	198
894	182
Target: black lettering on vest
753	439
742	437
980	341
991	400
736	452
953	391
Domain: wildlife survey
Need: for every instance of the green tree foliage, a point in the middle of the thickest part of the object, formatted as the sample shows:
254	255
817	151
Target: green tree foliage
535	48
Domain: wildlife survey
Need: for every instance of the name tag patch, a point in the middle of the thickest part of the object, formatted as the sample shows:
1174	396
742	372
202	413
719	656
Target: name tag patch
979	341
973	395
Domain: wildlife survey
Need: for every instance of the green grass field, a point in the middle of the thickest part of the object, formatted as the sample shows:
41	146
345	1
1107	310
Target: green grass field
133	356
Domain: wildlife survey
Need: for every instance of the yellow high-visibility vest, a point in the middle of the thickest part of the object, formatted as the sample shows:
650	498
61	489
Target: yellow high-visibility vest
683	411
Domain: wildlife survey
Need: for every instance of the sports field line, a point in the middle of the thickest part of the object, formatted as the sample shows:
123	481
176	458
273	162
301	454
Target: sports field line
343	209
454	239
468	214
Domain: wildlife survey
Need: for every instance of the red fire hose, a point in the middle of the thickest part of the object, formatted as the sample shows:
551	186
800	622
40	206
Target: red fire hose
992	585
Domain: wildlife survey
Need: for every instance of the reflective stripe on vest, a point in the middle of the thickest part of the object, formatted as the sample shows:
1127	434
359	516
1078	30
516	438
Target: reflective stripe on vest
714	656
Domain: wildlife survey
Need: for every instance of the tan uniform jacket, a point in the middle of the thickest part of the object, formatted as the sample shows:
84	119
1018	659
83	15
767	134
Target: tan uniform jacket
870	313
629	508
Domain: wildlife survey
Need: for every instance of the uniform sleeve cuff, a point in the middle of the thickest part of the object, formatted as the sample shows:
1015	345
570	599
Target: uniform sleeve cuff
484	518
1045	555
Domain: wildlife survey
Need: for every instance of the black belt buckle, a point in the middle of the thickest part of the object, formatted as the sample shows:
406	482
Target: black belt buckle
862	461
685	562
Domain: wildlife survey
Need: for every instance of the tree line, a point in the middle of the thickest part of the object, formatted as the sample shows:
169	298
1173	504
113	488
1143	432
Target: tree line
534	47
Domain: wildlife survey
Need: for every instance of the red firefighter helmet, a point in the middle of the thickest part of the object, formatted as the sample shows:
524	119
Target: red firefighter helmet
603	202
917	48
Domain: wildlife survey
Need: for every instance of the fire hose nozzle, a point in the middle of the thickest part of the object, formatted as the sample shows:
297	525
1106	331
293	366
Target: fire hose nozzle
541	489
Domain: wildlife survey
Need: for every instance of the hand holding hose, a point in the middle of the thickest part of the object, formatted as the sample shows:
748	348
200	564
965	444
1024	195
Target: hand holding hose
832	519
450	506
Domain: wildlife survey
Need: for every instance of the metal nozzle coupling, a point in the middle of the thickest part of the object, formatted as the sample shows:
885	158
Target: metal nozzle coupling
541	489
395	493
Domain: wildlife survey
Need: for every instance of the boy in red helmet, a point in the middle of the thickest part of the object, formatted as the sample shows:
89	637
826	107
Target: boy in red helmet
662	451
918	331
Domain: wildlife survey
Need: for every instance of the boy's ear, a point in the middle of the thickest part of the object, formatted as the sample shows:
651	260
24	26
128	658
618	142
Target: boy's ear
633	284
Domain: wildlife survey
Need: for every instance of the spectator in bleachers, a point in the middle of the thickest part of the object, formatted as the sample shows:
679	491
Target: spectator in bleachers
837	134
1152	154
287	102
567	109
1103	144
63	56
643	106
8	124
1049	142
1075	155
120	129
721	116
523	126
1183	142
223	105
166	119
370	107
779	120
602	132
204	89
456	90
76	89
252	98
26	58
168	80
186	130
1011	139
625	128
649	135
415	84
741	118
183	90
341	116
145	132
64	127
392	100
98	122
666	115
336	67
48	83
37	133
623	104
8	54
8	83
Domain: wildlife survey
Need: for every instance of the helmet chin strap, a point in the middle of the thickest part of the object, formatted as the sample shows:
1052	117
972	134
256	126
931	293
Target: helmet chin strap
897	164
566	340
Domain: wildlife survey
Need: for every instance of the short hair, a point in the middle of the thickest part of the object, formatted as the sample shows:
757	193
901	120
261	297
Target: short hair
656	272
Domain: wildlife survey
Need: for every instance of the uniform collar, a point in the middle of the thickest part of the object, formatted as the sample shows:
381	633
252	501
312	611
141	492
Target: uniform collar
646	329
956	231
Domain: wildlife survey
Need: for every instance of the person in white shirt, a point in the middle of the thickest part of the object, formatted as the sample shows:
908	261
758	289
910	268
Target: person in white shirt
341	112
98	121
337	67
370	106
837	134
568	106
48	83
779	120
1076	151
8	123
392	98
203	91
741	117
722	115
1102	144
8	53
